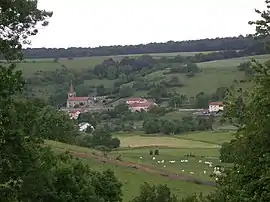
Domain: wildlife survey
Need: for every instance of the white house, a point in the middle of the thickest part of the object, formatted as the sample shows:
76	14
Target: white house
216	106
83	126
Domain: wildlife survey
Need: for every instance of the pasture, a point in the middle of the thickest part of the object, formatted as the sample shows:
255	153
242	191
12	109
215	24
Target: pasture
190	155
210	137
132	178
138	141
196	159
197	148
30	66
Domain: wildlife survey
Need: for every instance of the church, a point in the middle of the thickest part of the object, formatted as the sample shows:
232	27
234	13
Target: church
77	102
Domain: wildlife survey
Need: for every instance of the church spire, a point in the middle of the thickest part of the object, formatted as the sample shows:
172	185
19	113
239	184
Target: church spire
71	89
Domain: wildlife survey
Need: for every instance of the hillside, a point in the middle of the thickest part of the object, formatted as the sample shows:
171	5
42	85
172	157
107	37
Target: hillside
133	171
50	79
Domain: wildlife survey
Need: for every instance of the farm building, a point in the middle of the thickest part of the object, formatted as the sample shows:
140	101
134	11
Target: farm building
83	126
216	106
136	100
139	104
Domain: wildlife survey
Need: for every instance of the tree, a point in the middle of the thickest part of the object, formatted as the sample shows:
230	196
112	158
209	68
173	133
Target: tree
55	125
151	126
115	142
176	101
152	193
249	180
167	127
29	171
18	150
202	100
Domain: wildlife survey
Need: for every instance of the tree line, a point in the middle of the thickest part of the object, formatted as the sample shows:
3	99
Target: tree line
229	43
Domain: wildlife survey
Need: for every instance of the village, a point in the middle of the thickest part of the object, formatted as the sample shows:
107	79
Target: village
77	105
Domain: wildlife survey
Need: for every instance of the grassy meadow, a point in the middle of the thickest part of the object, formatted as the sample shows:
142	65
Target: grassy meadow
132	178
203	146
30	66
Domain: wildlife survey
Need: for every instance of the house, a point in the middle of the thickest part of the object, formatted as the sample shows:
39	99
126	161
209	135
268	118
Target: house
216	106
83	126
77	102
136	100
139	104
74	114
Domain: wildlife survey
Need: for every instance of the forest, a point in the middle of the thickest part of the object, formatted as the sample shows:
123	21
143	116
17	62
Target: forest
230	43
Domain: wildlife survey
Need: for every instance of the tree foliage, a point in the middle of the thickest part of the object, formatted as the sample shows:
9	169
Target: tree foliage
29	171
249	179
153	193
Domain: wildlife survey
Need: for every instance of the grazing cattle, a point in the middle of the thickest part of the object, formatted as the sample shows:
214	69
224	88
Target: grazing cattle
172	161
154	158
192	173
141	157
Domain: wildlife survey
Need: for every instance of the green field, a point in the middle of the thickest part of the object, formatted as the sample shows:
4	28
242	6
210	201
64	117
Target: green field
204	145
175	148
211	137
137	141
176	154
131	178
32	65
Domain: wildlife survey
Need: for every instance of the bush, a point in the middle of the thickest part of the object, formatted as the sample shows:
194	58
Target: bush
102	148
156	152
150	152
115	143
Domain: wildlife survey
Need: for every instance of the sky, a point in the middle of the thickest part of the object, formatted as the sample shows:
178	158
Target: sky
93	23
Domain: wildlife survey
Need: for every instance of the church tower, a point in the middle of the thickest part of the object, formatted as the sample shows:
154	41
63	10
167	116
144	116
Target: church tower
71	93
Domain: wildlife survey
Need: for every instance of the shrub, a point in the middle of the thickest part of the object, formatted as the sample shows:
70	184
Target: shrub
150	152
156	152
115	143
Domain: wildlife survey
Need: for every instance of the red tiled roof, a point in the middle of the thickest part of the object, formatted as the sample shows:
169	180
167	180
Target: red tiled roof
78	98
141	104
216	103
135	99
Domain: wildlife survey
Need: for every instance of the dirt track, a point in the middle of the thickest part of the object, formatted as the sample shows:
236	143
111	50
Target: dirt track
145	168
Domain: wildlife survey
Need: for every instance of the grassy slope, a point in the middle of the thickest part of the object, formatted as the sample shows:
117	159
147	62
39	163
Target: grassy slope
214	73
34	65
204	145
132	179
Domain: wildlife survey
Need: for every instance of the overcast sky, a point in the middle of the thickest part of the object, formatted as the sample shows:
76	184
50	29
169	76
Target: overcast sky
84	23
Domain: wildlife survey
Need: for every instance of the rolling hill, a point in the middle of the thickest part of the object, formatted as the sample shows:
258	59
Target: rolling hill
214	74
